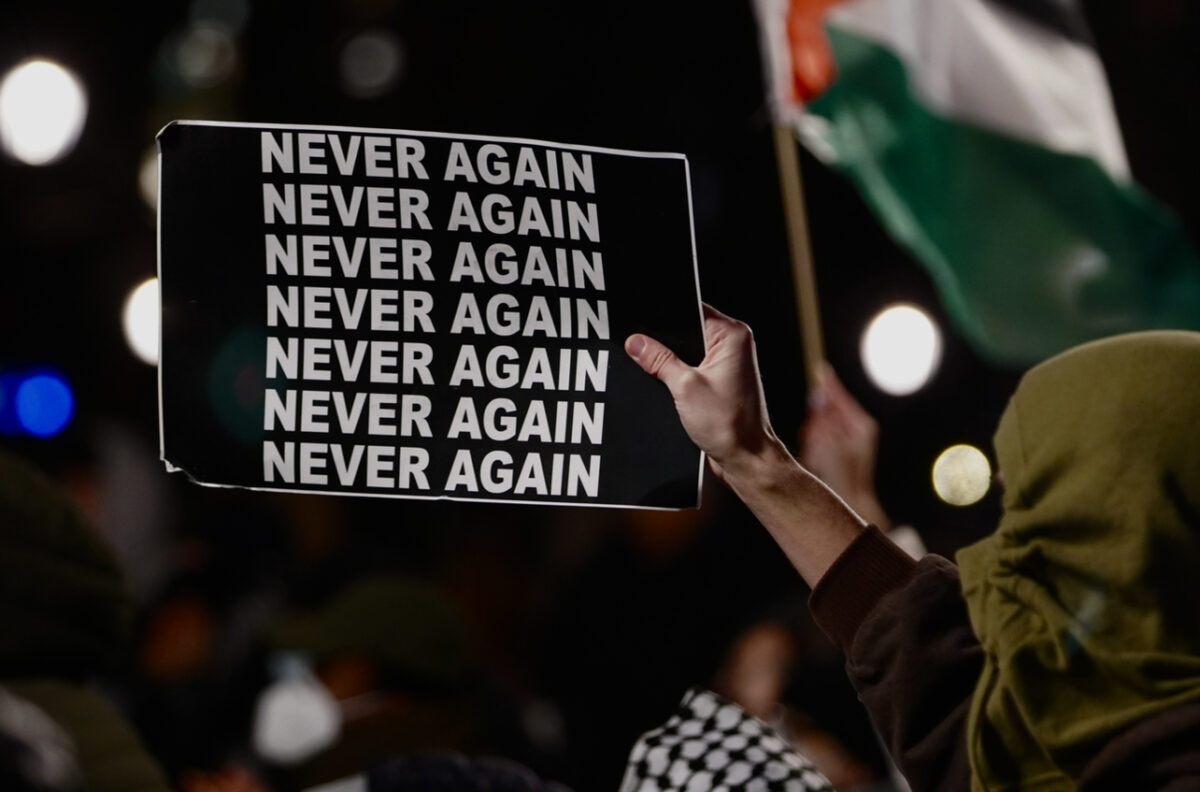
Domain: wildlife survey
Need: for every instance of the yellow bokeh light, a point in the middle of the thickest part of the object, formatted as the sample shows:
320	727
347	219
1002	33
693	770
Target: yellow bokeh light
148	177
961	475
140	321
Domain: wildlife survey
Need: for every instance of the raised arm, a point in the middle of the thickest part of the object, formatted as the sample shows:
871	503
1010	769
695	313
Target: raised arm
839	442
721	405
903	625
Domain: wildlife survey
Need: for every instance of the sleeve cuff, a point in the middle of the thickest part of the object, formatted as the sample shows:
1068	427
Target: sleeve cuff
867	570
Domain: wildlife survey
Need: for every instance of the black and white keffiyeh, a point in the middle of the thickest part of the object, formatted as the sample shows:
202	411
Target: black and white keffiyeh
713	745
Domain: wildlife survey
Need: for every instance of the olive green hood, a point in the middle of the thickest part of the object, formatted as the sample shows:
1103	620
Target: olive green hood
1087	598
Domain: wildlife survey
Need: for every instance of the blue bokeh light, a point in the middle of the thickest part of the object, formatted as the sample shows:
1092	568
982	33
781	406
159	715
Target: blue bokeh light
45	405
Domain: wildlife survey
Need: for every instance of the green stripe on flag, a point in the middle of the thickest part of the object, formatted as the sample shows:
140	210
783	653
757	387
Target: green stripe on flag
1032	251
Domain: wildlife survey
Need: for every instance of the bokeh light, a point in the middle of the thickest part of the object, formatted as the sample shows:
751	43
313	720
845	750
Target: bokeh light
43	107
901	349
148	177
44	405
371	63
205	55
231	14
961	475
140	321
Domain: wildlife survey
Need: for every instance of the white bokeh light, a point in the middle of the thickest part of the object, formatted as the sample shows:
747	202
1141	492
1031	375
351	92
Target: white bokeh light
371	63
140	321
43	107
961	475
900	349
205	54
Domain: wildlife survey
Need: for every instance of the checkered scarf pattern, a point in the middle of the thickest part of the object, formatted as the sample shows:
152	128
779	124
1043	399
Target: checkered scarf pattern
713	745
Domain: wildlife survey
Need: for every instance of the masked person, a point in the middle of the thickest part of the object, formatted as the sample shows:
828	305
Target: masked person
1063	652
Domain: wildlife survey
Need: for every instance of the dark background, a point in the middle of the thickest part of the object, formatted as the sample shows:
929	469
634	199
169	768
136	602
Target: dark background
669	76
663	76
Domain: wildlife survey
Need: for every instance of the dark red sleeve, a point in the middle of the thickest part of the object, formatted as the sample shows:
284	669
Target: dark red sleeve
910	653
1161	753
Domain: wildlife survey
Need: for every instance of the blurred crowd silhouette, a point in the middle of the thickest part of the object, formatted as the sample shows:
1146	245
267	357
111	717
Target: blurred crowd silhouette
251	641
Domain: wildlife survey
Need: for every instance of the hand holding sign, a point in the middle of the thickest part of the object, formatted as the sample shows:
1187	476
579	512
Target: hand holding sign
720	401
722	407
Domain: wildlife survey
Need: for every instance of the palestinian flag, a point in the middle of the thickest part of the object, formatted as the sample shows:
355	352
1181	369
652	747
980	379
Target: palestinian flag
982	134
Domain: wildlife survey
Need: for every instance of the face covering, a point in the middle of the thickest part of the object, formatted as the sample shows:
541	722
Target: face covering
1085	600
296	717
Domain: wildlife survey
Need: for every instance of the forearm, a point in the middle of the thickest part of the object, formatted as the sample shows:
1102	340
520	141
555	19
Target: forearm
721	406
811	524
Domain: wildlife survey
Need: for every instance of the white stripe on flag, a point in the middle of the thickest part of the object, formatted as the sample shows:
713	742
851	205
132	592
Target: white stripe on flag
777	60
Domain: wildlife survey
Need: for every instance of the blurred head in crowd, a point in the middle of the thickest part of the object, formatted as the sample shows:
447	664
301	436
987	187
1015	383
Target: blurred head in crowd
383	669
65	612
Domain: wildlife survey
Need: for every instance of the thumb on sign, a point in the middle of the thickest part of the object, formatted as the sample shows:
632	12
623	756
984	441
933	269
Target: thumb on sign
720	402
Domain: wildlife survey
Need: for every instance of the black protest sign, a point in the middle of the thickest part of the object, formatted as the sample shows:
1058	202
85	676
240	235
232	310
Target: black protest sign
409	314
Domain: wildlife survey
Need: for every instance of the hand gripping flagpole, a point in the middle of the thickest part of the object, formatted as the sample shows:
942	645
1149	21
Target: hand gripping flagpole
800	246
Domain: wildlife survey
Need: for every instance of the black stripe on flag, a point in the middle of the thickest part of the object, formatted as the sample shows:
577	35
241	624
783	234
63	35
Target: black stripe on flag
1062	16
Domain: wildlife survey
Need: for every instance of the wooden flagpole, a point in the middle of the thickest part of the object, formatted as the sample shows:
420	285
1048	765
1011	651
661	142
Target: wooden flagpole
800	245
